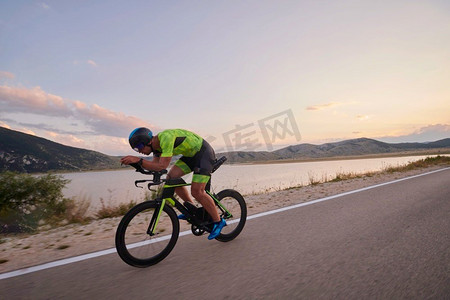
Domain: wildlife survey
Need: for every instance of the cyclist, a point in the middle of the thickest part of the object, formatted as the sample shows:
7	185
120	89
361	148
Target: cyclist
197	156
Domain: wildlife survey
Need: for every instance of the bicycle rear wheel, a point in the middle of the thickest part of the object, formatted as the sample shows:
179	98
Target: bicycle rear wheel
135	246
235	204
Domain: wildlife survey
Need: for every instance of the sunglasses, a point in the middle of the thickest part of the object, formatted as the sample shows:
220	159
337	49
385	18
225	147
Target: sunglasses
139	147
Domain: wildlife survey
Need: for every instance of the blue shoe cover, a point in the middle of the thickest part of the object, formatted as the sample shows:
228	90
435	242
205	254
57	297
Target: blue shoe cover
217	228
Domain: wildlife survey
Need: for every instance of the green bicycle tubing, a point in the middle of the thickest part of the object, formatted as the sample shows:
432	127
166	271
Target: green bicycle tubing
218	202
168	186
170	201
161	207
212	196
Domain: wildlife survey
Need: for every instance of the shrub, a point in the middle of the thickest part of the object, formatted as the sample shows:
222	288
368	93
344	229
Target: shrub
77	211
27	200
111	211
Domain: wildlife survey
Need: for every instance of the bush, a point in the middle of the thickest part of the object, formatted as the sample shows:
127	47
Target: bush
27	200
111	212
77	211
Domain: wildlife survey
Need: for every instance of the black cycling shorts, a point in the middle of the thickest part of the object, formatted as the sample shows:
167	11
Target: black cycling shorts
201	163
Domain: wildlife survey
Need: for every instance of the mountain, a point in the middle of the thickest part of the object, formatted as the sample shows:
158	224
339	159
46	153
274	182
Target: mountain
354	147
22	152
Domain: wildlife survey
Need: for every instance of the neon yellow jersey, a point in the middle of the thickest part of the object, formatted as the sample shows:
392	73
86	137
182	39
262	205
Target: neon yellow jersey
178	141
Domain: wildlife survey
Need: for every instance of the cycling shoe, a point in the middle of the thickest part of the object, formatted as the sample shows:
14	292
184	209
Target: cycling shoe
217	228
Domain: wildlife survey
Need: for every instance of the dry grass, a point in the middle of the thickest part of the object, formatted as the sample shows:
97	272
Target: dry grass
341	176
351	175
423	163
77	211
114	211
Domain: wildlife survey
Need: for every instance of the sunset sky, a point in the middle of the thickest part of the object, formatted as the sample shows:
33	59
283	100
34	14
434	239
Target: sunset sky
85	73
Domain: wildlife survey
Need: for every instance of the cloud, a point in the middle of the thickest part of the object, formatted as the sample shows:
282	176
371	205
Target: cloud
21	129
45	127
110	145
4	125
35	100
6	75
362	117
44	5
106	121
27	131
92	63
323	106
88	62
99	119
428	133
68	139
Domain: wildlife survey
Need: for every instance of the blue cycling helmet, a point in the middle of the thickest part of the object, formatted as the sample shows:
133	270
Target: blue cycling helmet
139	138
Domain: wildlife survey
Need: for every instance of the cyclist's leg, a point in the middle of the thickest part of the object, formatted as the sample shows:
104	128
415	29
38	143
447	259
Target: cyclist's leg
177	171
202	174
199	193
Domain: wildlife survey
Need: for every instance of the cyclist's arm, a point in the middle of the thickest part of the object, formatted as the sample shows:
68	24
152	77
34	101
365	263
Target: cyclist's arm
157	163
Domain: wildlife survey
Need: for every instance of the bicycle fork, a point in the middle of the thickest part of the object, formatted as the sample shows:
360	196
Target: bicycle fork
157	214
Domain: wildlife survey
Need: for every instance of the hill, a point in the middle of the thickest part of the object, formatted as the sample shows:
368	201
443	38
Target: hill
355	147
22	152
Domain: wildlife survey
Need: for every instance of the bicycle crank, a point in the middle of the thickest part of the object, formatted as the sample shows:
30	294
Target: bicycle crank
197	230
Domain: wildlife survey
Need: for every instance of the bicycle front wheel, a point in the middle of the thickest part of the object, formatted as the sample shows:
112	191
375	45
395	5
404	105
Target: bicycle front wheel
235	214
135	245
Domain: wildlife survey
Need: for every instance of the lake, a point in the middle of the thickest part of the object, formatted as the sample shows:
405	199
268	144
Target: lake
115	187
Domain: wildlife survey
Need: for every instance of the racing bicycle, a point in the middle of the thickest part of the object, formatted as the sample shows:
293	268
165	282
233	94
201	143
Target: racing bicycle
149	231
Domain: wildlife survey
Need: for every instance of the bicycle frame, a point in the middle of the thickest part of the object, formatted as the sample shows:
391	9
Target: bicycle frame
163	218
167	197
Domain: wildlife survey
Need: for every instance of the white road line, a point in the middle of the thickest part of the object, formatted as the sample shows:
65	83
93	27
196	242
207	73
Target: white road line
341	195
113	250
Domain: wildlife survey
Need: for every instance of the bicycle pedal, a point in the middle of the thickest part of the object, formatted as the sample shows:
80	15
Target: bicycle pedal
196	230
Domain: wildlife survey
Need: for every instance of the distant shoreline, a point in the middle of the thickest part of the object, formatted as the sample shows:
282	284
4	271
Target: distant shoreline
442	151
46	157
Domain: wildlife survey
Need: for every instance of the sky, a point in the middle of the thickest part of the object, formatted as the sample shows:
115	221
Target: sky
245	75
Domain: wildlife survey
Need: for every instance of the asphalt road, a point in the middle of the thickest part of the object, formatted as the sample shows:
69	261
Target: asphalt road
390	242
